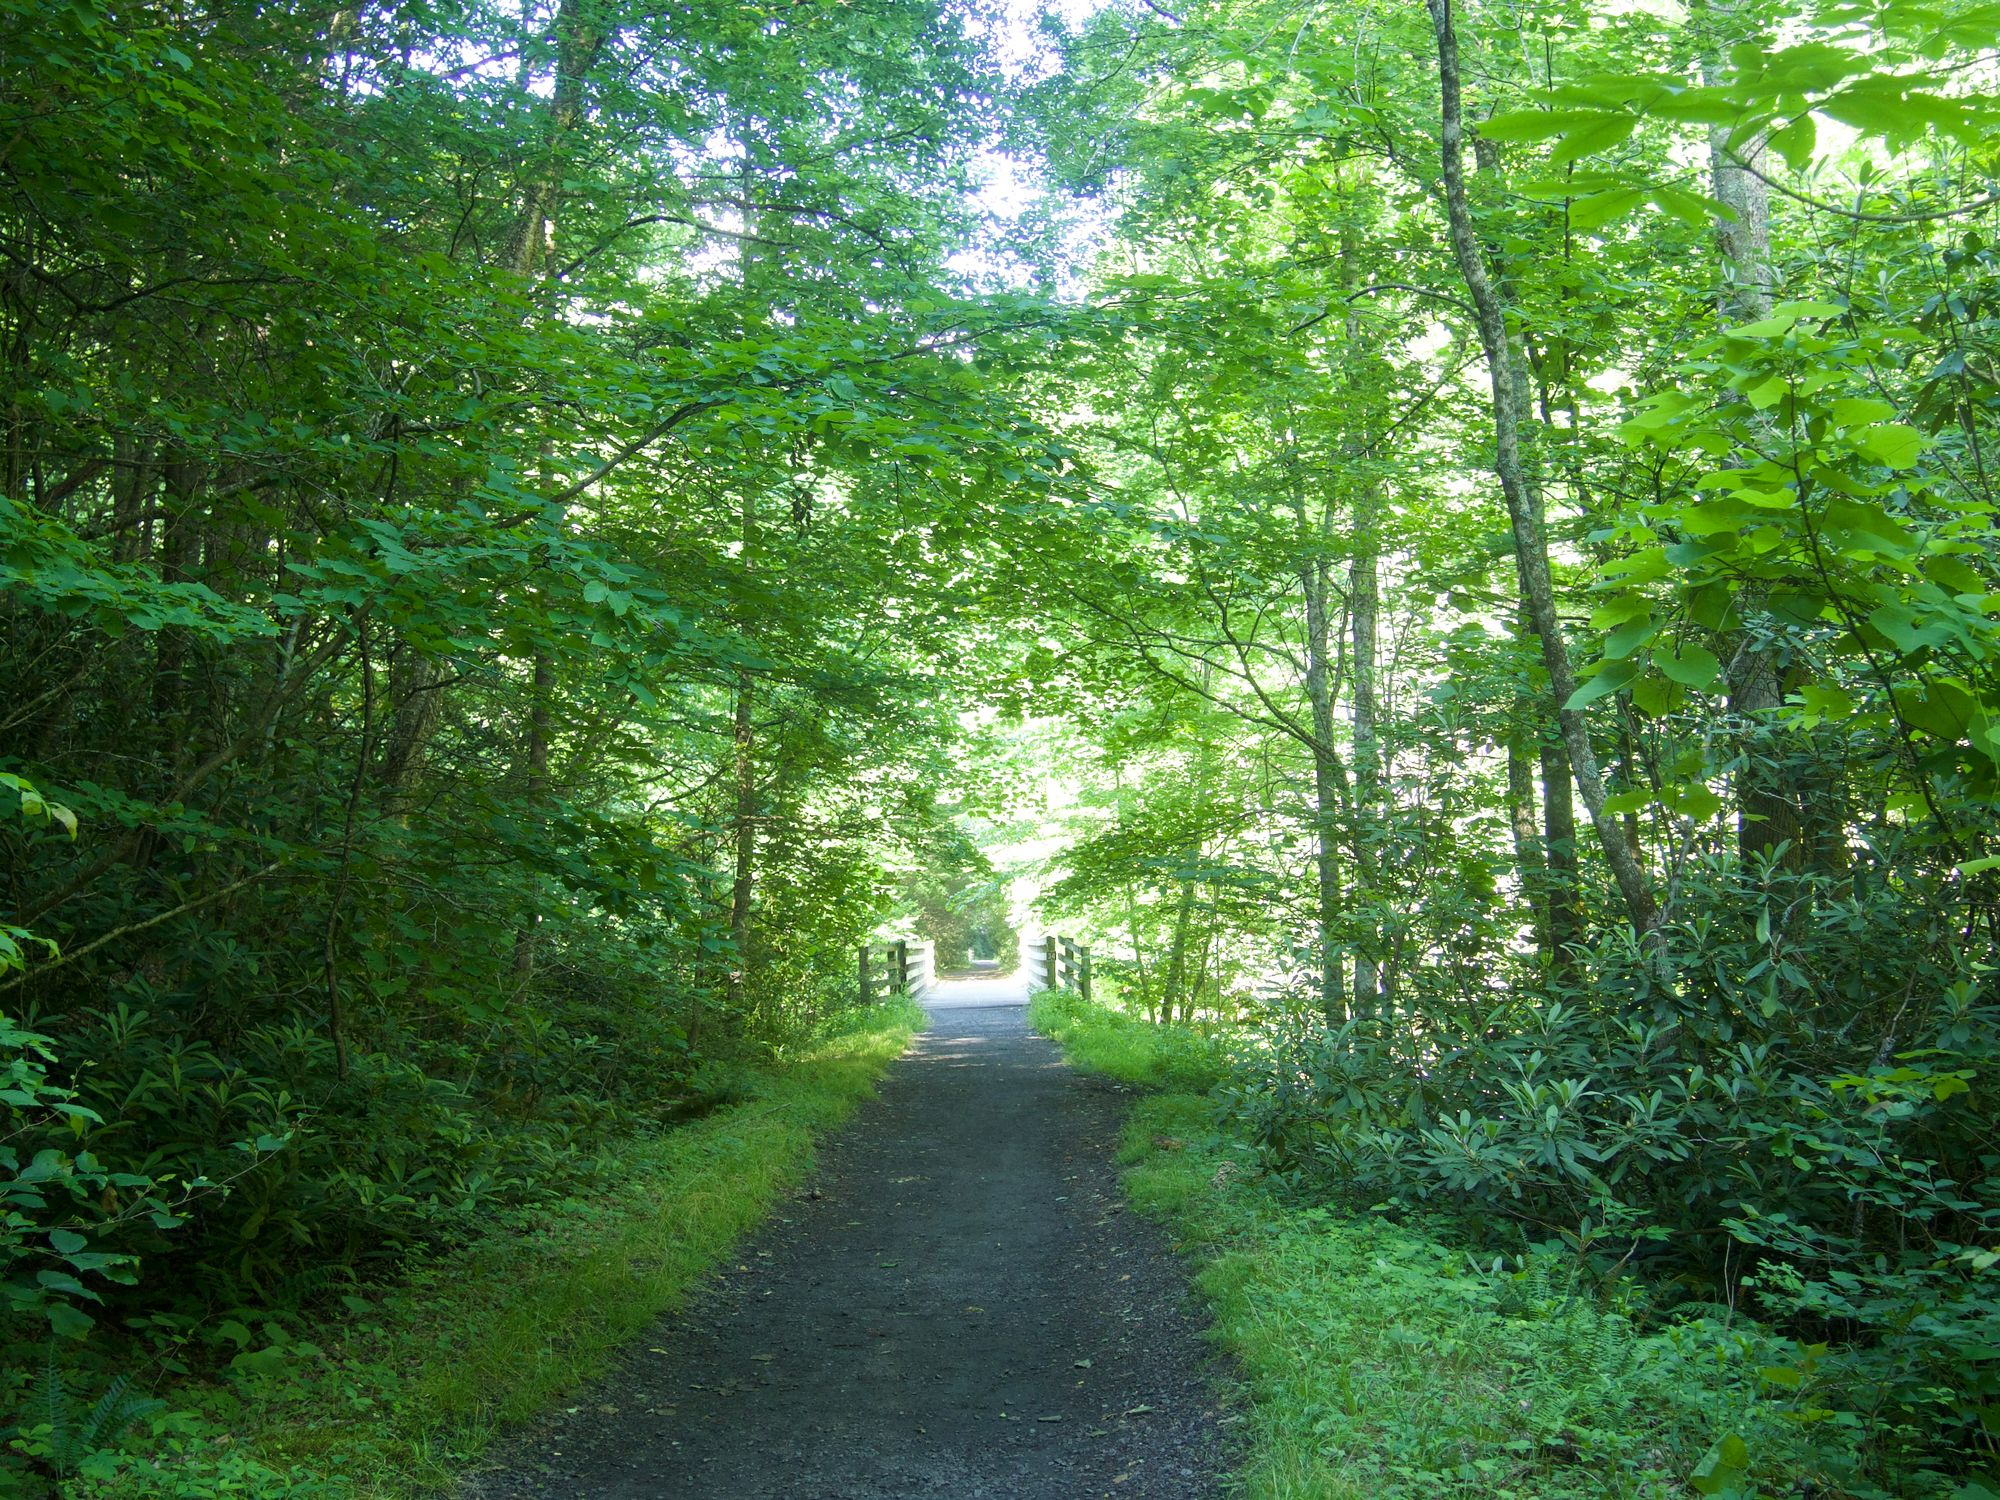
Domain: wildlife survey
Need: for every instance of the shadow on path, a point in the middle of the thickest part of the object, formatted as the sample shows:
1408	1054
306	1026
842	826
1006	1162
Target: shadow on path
958	1306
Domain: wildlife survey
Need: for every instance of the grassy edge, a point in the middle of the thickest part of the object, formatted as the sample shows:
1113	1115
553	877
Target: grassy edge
407	1394
1373	1365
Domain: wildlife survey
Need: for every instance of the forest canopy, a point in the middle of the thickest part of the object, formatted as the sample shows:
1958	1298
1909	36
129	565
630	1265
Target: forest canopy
528	531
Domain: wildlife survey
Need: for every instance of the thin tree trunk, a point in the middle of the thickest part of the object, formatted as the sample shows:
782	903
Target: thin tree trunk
1328	776
1526	829
1177	951
742	888
1365	603
1766	796
1559	852
580	40
1530	542
542	690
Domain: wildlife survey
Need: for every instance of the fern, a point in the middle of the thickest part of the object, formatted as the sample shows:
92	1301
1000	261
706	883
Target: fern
52	1399
72	1435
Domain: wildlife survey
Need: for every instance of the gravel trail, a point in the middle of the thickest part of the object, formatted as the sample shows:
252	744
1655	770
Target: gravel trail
958	1305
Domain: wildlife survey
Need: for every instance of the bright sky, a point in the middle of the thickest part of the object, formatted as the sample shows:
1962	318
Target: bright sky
1011	188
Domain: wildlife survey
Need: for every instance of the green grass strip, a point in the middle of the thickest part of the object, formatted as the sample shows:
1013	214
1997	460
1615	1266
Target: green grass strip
404	1397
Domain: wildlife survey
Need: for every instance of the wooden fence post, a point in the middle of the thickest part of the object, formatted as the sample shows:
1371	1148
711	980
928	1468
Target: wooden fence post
902	967
867	989
1083	974
1052	962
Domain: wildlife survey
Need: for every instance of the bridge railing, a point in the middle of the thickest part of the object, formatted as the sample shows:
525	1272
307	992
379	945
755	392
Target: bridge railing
1058	963
899	966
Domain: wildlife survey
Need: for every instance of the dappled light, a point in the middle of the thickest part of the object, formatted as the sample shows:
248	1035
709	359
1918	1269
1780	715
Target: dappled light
596	594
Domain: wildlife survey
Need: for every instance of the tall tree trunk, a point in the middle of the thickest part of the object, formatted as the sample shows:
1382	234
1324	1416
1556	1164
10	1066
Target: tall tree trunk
1365	603
1525	825
580	35
1531	552
1328	779
742	887
1559	852
1766	794
1132	915
1177	952
542	692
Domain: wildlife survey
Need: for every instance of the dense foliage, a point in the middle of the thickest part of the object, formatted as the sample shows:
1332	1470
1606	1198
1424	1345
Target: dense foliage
504	510
479	491
1538	622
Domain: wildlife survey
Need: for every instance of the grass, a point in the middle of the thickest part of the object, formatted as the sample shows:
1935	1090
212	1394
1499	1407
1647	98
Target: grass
1376	1363
412	1388
1177	1059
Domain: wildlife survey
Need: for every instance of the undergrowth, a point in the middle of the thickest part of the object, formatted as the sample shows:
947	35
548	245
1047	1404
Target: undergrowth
411	1386
1379	1360
1189	1059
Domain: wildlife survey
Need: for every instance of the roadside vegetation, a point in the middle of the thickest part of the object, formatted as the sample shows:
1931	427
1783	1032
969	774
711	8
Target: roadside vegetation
403	1388
1385	1355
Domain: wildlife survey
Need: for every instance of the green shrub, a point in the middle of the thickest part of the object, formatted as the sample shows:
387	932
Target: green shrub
1382	1363
1768	1130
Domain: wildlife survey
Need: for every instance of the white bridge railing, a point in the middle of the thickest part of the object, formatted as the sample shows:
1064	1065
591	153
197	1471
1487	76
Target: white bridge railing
900	966
1057	963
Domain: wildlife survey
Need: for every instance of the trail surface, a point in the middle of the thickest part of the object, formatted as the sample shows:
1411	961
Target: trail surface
958	1306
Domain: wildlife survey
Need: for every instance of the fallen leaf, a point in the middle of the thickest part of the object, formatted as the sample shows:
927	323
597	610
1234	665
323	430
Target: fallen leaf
1083	1364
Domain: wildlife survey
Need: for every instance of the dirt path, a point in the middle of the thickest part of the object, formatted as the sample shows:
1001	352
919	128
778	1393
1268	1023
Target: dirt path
959	1306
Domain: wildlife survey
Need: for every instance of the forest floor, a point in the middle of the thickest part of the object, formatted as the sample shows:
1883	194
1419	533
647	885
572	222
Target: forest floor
959	1304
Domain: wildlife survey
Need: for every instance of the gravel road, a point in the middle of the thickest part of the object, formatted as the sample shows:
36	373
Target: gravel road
957	1306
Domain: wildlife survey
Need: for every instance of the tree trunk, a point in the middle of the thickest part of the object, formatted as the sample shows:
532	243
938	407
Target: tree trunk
1767	812
1559	852
1365	603
542	690
1328	776
1531	553
742	886
1526	829
580	40
1171	993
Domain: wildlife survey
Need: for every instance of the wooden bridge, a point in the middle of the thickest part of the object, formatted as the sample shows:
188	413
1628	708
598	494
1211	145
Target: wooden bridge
908	966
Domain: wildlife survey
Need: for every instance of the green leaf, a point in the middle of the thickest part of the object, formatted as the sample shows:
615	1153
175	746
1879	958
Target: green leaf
1691	209
1821	702
1690	665
1724	1464
1860	411
1535	124
1595	210
69	1322
1610	677
1691	800
1629	637
1654	696
1592	136
1891	444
